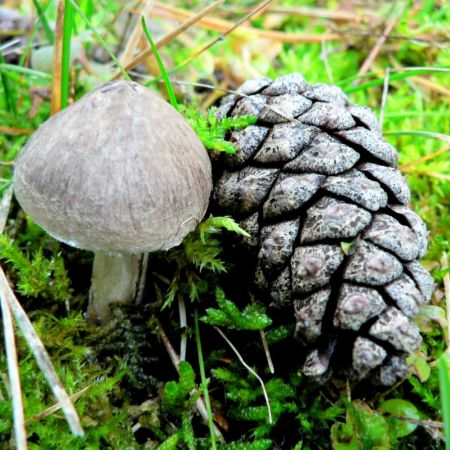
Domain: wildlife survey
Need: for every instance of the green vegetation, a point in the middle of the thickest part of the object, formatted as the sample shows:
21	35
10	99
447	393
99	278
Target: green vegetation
134	397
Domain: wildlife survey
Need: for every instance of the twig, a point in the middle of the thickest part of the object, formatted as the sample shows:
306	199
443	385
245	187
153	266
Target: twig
419	39
384	97
421	422
380	41
214	96
428	84
424	158
4	47
216	24
176	362
5	204
323	13
133	40
167	344
142	279
41	356
267	351
14	130
439	176
10	346
444	265
183	326
57	406
14	376
220	88
170	36
266	397
126	26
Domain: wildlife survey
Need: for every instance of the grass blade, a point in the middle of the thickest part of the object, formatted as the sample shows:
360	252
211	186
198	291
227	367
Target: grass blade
169	87
393	77
444	383
418	70
9	96
203	378
65	60
12	68
87	6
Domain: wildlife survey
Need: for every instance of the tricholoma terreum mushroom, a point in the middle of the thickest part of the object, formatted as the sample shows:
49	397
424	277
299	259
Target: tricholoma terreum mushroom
120	173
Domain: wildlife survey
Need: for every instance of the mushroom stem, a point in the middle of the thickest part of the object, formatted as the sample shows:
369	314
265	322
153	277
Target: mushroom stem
115	279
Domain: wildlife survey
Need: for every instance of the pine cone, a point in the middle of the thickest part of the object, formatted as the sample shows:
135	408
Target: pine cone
332	238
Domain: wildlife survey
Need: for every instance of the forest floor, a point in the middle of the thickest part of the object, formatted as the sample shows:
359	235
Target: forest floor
393	56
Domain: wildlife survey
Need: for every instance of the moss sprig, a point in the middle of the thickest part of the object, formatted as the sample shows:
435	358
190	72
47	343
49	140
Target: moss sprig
211	130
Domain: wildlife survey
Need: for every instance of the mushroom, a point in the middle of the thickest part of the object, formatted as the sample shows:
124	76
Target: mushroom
121	173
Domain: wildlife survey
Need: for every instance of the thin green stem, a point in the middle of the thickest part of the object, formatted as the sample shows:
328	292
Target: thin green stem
444	383
9	95
88	9
164	74
204	381
65	60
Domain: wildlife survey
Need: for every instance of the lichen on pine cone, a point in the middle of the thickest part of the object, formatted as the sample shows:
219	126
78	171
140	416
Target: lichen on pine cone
317	188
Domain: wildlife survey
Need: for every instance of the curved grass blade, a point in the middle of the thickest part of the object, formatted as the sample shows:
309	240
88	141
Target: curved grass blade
7	90
169	87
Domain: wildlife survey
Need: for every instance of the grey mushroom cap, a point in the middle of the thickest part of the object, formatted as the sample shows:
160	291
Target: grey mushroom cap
118	171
